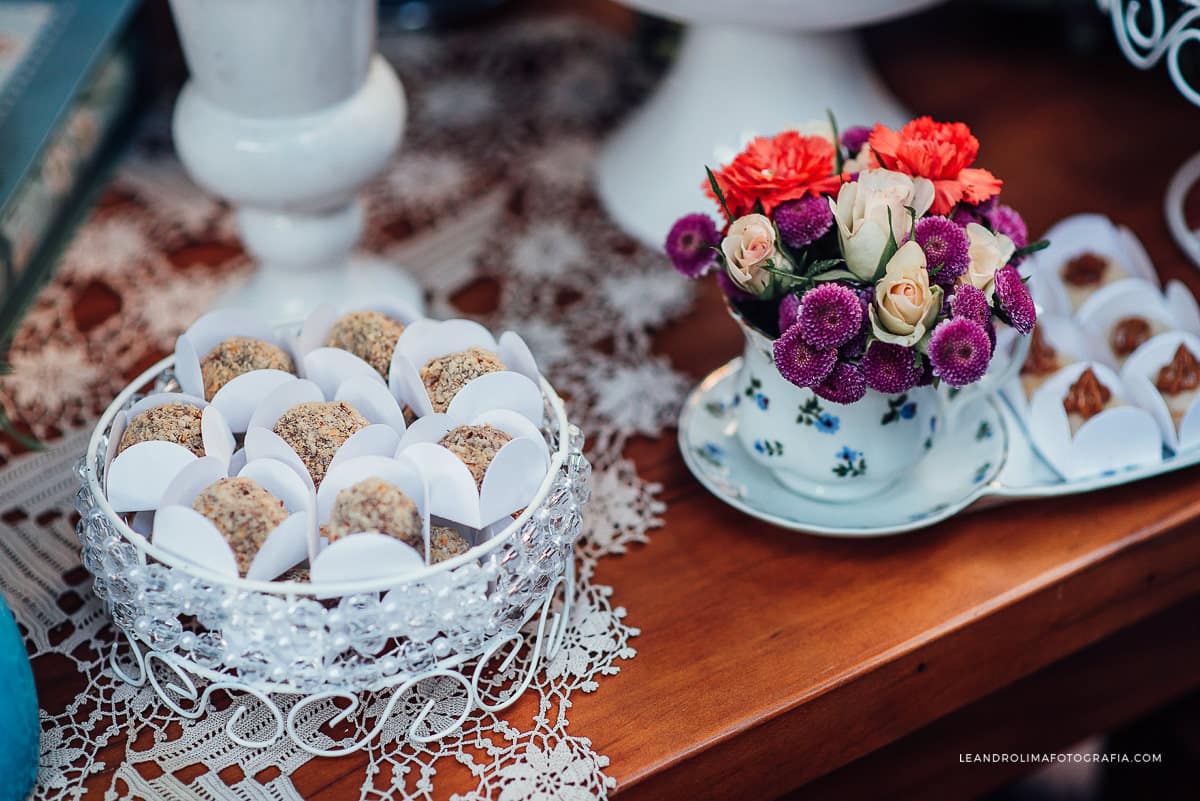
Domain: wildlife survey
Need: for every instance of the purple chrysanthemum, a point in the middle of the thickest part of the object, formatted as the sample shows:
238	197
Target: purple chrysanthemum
830	315
890	368
964	214
1005	220
689	244
1014	299
971	302
960	351
945	243
854	138
789	311
799	362
844	384
732	290
804	221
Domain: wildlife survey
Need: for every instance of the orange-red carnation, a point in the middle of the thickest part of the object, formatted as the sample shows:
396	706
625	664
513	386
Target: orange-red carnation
775	170
940	151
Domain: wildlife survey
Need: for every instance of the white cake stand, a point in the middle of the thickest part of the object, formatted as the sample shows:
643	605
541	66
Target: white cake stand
287	114
744	68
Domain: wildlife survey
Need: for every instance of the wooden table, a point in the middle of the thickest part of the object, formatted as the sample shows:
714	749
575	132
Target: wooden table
773	663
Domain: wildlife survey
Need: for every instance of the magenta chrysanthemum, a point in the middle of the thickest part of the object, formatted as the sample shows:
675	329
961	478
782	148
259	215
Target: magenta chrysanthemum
946	248
804	221
799	362
789	311
890	368
1014	299
830	316
971	302
1005	220
960	351
689	244
854	138
844	384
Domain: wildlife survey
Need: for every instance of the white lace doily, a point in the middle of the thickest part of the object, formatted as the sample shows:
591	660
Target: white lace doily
491	187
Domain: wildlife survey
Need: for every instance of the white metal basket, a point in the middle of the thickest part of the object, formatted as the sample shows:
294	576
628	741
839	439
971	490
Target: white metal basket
451	629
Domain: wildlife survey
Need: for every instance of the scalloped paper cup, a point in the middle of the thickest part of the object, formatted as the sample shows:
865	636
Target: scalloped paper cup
138	476
1119	437
236	399
1131	297
1062	334
426	340
314	332
1139	375
182	531
1086	233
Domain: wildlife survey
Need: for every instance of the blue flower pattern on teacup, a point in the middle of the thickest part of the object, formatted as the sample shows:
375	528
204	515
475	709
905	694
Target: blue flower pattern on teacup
850	464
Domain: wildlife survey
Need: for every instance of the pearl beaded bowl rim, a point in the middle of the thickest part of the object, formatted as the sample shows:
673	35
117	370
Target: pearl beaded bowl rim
340	588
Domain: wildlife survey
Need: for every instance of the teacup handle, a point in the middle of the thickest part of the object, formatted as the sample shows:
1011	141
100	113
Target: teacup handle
952	401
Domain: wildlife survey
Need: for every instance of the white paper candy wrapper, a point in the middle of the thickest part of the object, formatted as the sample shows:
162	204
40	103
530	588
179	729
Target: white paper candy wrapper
1118	437
238	398
1067	340
370	554
314	336
510	482
184	532
371	399
1108	306
136	479
1075	236
425	340
1139	375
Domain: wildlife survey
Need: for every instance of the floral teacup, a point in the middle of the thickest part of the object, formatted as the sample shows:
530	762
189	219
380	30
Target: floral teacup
842	452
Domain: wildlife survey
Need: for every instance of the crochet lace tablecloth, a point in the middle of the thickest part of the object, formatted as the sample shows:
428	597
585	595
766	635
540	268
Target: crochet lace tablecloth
488	200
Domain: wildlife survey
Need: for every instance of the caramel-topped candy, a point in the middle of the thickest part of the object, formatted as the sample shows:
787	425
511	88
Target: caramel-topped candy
1042	359
1085	270
1087	397
1181	374
1129	334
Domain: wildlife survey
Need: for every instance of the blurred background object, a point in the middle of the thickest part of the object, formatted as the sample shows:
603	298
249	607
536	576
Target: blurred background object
20	730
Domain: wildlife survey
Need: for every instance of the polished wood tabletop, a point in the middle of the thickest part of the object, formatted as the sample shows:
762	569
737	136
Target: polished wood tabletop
772	663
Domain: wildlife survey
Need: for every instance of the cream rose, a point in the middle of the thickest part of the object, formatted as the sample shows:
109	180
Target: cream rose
988	252
905	304
749	248
862	211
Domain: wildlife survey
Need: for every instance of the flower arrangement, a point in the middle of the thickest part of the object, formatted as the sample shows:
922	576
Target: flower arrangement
876	258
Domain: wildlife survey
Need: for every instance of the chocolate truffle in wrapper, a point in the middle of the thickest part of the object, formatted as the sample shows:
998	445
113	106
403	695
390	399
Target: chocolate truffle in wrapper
444	376
316	430
445	543
238	355
374	505
476	446
369	335
170	422
244	513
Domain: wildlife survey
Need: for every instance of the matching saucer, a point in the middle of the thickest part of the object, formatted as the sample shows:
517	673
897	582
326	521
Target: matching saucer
957	471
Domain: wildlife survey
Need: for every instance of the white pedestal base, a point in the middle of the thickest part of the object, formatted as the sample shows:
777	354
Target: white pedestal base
651	171
284	296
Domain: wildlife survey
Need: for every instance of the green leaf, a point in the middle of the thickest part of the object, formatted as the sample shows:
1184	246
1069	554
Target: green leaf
835	275
889	250
29	443
837	148
716	188
1033	247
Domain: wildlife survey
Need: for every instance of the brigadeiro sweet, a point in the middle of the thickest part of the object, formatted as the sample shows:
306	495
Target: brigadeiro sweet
369	335
316	430
445	543
374	505
444	376
170	422
238	355
476	446
243	512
